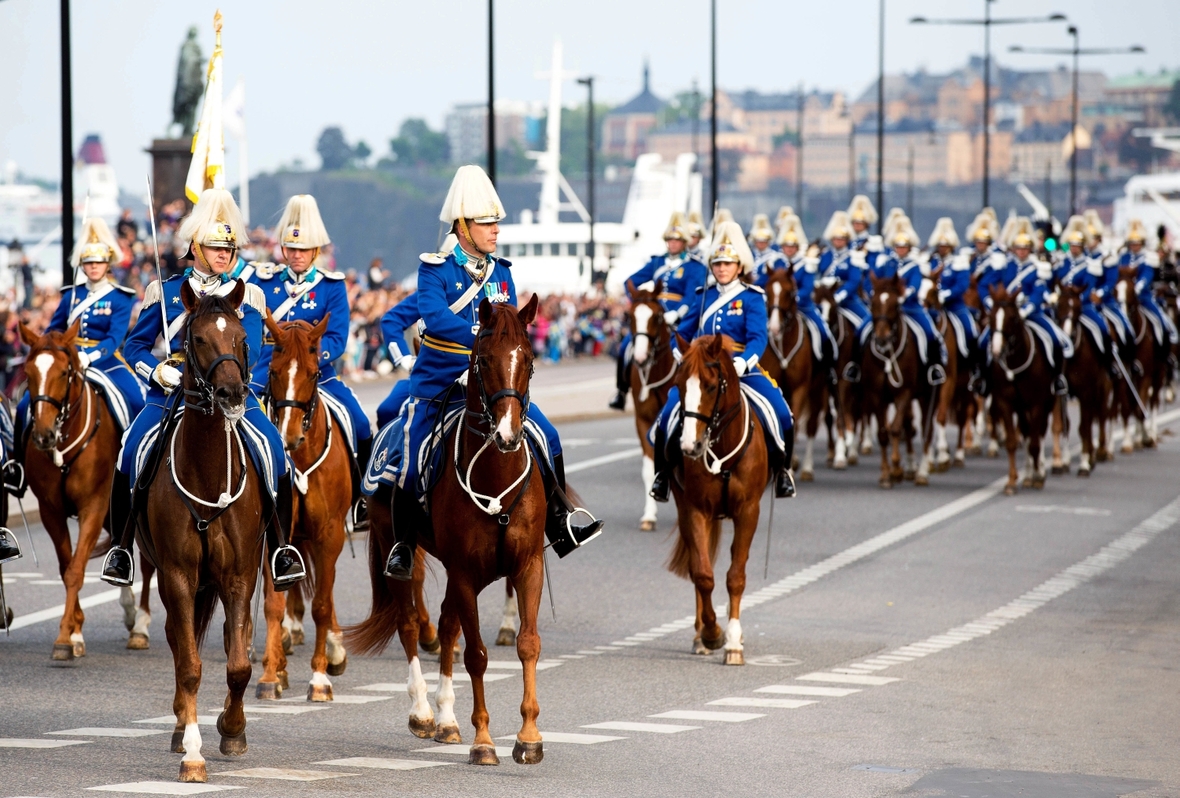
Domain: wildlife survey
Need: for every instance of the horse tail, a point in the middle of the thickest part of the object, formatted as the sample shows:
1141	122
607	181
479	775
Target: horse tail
373	634
680	563
204	605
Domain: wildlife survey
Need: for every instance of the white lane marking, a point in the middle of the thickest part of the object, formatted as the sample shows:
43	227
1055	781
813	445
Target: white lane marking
589	652
847	678
567	737
1060	508
594	462
382	764
625	642
202	720
799	689
273	710
17	742
460	749
861	667
346	699
95	731
704	714
767	703
573	656
657	728
284	774
54	613
164	788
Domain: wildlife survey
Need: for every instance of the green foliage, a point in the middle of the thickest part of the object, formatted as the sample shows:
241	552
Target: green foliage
681	108
334	151
417	145
786	137
361	152
573	136
1172	109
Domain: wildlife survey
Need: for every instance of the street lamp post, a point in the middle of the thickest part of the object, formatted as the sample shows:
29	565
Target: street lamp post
1076	51
713	109
67	150
799	155
491	95
880	115
588	82
987	22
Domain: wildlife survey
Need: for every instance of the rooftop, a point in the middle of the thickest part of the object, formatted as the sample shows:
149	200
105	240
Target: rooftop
643	103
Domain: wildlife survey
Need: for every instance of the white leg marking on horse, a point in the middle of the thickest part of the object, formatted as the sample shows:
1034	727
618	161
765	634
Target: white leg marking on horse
292	370
841	457
808	457
192	743
294	624
142	621
649	476
1084	463
924	466
943	448
335	647
692	404
997	336
318	678
510	612
642	319
444	696
417	690
76	637
733	635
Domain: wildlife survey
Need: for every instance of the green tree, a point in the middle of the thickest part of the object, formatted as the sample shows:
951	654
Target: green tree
1172	109
573	137
361	151
417	145
335	152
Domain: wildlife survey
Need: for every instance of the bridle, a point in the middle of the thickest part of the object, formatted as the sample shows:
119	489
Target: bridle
888	353
718	421
64	410
657	348
792	319
1002	358
308	408
484	416
200	397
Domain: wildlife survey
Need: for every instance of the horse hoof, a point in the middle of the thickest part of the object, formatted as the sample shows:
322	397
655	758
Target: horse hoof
975	451
527	753
319	692
909	475
177	745
296	637
885	482
922	481
839	465
1038	483
233	746
422	727
714	644
337	670
284	682
63	652
698	647
138	642
506	637
193	772
448	734
268	691
853	459
807	476
866	448
1083	472
647	525
1058	470
484	755
9	615
287	647
735	658
1009	490
431	646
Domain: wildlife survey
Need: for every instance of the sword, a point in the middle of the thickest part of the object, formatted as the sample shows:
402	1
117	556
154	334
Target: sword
28	533
3	604
159	273
1127	377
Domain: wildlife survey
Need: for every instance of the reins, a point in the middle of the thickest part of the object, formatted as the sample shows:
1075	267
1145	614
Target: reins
777	348
646	386
889	355
718	421
64	412
308	409
1002	358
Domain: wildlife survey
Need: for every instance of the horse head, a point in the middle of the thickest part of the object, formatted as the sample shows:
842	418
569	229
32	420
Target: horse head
824	296
1069	307
886	309
648	328
54	372
1005	319
706	374
501	367
294	376
933	301
216	351
1124	289
783	293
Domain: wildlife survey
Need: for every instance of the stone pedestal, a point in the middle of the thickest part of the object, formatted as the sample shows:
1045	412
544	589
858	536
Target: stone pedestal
170	163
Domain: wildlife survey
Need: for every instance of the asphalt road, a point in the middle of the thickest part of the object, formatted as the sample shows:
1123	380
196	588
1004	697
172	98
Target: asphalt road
930	641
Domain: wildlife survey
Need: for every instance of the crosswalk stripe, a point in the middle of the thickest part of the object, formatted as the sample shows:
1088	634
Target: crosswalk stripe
847	678
461	750
768	703
165	788
657	728
800	689
284	774
382	764
567	737
18	742
95	731
704	714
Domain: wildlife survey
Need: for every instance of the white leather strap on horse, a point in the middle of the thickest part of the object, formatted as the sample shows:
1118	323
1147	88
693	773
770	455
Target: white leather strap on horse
300	477
285	306
777	348
473	289
90	299
718	304
708	454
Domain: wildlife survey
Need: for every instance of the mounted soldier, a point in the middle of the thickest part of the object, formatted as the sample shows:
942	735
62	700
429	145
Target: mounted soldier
210	234
451	287
1141	257
304	290
1079	270
954	280
680	274
767	258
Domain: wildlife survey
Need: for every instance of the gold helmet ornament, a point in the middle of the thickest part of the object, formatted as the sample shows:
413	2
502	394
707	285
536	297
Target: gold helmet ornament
1074	233
903	233
1095	228
791	232
696	225
301	226
944	234
214	221
1019	230
984	227
862	210
96	244
892	219
782	215
677	228
839	226
761	229
730	245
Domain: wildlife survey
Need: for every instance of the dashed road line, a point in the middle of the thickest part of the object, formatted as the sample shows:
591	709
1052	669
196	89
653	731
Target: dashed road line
164	788
707	715
382	764
847	678
19	742
766	703
95	731
801	689
657	728
459	749
284	774
594	462
567	737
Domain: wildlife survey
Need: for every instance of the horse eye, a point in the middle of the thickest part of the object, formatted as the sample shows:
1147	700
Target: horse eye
278	348
199	340
311	350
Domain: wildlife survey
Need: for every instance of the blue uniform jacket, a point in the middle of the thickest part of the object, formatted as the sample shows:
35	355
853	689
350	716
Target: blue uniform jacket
105	317
137	350
1076	272
743	318
838	264
446	345
325	293
394	324
662	267
765	263
680	286
1144	274
1033	285
806	274
954	280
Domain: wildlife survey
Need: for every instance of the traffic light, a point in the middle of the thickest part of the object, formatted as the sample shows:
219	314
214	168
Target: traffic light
1048	236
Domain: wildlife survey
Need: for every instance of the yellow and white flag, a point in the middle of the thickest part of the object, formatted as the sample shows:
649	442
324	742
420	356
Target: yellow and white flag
207	169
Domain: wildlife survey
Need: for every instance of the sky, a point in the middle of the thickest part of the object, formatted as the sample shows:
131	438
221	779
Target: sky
367	66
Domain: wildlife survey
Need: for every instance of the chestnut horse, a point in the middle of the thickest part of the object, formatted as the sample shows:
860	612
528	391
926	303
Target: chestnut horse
722	475
1139	426
70	463
215	555
652	370
790	361
848	411
1089	379
323	486
1025	403
487	521
891	374
953	396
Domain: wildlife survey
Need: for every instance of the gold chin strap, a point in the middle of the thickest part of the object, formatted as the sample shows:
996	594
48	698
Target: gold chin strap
199	254
467	235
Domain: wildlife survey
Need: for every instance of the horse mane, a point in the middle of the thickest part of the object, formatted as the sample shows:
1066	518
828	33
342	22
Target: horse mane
56	339
504	321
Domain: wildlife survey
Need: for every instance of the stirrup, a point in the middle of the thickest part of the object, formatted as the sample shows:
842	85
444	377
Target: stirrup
936	374
14	477
1060	385
359	513
284	581
9	548
852	372
402	574
112	574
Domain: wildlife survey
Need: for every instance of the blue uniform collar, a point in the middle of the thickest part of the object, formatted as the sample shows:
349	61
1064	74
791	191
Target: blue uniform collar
191	273
291	277
239	268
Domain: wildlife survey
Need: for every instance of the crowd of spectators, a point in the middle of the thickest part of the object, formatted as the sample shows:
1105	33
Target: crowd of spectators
566	326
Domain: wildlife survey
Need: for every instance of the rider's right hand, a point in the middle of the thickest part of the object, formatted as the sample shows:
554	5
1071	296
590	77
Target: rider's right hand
166	376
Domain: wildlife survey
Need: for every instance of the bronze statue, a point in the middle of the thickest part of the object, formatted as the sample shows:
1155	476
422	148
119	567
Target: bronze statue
190	85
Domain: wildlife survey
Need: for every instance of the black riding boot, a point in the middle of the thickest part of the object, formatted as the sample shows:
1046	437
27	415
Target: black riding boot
400	563
622	383
360	507
828	366
661	485
562	534
118	568
9	548
780	464
14	469
286	564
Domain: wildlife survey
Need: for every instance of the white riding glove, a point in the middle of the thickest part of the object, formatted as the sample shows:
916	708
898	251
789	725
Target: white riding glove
671	317
407	363
166	377
740	365
92	357
463	378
